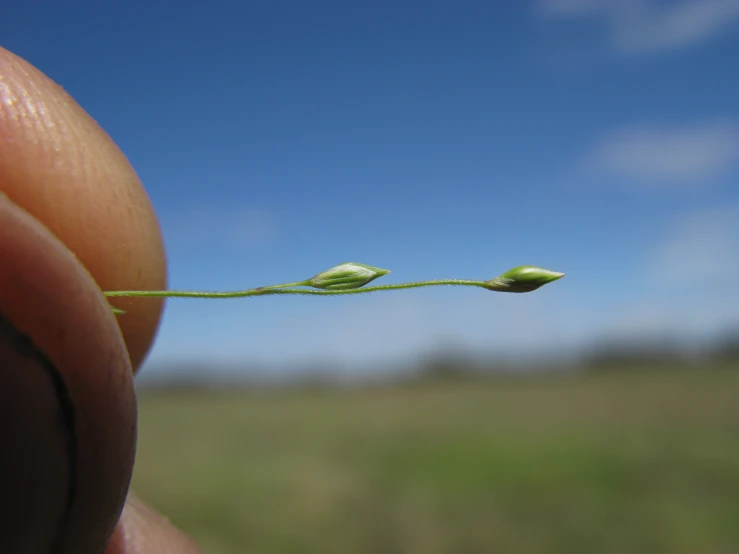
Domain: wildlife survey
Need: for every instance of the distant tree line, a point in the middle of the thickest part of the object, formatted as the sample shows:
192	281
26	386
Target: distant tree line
457	364
664	352
612	354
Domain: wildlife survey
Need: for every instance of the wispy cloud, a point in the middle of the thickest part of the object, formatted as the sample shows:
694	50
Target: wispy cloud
687	284
237	226
658	155
692	318
391	328
700	250
637	26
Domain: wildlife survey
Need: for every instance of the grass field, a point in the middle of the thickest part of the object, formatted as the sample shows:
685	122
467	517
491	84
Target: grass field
614	463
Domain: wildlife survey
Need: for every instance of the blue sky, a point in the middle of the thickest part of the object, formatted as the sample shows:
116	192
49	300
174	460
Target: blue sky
437	139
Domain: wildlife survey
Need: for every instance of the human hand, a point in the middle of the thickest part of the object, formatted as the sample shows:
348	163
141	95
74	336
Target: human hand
74	220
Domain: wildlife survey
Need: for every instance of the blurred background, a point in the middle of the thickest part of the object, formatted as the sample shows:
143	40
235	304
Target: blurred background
439	140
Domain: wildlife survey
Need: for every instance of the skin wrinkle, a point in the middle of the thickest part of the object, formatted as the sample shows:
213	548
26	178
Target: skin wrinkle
44	126
24	346
8	99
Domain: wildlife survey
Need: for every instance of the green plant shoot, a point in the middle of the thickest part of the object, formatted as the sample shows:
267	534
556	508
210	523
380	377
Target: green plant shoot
351	278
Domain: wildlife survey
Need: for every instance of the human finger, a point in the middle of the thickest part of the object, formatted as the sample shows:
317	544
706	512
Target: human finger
67	405
62	168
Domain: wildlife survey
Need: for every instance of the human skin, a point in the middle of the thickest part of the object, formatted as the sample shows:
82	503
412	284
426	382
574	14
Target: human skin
74	220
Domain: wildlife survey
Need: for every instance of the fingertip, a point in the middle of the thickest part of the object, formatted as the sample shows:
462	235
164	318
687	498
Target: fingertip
141	530
61	167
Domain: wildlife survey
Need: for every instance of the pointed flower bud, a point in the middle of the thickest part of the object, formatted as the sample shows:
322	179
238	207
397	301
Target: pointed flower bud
350	275
523	278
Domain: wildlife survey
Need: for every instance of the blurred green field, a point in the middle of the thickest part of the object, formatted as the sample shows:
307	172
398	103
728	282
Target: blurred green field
611	463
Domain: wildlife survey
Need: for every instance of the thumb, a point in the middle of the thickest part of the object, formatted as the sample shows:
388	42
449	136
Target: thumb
67	406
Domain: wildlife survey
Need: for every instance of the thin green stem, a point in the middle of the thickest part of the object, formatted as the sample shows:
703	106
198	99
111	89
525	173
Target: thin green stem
285	285
288	289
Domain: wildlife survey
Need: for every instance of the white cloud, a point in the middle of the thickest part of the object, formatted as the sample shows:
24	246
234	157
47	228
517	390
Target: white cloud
637	26
238	227
692	318
700	251
687	287
402	327
396	327
693	154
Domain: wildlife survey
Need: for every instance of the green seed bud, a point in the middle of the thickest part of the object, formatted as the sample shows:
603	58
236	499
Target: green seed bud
523	278
346	276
